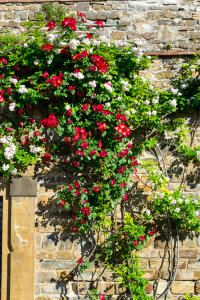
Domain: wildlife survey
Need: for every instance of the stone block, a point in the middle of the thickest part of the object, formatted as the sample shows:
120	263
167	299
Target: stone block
22	15
150	274
58	265
42	277
124	22
64	254
186	275
48	288
45	255
43	298
149	288
182	287
156	264
188	253
25	186
82	6
194	265
117	35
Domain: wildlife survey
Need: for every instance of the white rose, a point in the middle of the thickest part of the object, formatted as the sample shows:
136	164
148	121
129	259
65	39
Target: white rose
22	89
155	101
79	75
179	200
14	172
108	104
154	112
173	202
86	41
148	212
25	45
108	86
13	80
4	140
49	61
187	201
51	37
12	106
92	84
36	62
173	103
9	152
196	213
5	167
177	210
62	44
195	201
67	107
127	112
147	102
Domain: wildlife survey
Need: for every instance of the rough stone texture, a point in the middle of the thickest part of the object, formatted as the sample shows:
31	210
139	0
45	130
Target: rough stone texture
159	23
25	186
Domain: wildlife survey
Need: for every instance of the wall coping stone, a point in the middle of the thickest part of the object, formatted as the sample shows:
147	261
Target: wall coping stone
170	53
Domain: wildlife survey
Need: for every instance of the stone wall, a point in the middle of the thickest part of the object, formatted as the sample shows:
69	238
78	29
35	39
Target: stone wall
56	248
158	22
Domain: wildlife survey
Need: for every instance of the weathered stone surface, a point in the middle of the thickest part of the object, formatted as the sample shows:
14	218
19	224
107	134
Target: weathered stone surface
25	186
182	287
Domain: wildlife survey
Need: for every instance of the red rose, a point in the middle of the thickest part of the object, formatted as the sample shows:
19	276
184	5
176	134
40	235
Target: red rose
93	68
80	260
62	203
45	74
151	233
47	157
125	197
84	145
101	297
65	51
85	211
135	243
50	25
102	127
70	23
99	23
1	99
47	47
84	107
104	153
89	36
56	81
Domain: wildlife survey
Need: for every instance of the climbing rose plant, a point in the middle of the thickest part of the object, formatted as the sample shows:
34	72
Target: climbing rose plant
72	99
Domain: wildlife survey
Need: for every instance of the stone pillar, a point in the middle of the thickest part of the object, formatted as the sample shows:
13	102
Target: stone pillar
5	242
23	192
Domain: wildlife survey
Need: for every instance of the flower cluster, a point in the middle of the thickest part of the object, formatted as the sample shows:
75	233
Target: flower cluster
51	121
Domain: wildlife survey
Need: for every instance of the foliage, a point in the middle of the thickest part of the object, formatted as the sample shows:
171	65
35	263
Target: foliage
187	297
73	99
